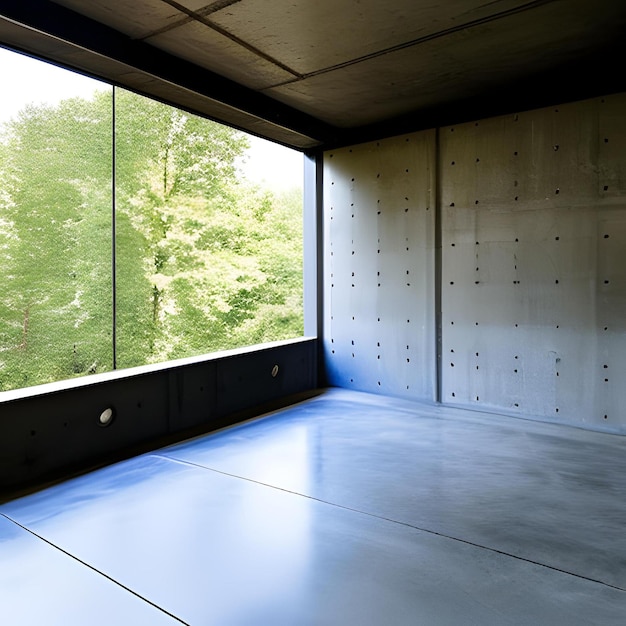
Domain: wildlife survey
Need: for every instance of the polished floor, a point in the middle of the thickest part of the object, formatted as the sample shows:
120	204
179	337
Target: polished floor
346	509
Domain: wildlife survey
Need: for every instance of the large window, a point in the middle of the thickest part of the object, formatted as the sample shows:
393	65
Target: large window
132	232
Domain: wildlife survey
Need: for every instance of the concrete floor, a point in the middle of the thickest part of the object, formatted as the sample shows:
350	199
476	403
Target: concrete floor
345	509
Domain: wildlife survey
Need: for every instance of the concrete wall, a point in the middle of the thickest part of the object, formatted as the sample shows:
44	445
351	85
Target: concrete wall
531	216
53	430
379	220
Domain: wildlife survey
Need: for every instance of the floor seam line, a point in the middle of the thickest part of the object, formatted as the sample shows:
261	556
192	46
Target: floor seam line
92	568
393	521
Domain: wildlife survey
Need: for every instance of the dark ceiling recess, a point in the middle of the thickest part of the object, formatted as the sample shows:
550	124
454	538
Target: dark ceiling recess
332	72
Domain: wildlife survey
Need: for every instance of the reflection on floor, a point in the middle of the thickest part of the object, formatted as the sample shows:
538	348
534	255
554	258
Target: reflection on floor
345	509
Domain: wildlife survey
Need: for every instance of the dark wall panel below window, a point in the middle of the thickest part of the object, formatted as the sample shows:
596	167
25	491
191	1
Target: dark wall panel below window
55	433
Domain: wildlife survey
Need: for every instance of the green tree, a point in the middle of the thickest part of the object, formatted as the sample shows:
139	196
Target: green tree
233	273
166	162
204	261
56	291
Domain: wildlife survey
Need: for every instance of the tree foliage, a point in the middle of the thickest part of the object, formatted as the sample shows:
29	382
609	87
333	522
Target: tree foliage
203	261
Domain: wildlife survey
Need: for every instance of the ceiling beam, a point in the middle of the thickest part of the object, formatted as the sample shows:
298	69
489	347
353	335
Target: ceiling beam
88	36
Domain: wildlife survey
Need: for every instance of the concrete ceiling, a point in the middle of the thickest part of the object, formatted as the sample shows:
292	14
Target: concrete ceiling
309	73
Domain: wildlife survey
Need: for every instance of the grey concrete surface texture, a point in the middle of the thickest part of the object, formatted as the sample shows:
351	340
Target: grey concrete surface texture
379	270
39	584
534	263
546	493
348	508
530	213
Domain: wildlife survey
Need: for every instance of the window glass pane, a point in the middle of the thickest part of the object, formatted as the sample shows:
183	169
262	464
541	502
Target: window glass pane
209	240
208	225
55	223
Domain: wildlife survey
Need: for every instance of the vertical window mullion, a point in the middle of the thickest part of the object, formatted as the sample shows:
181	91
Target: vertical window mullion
113	243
